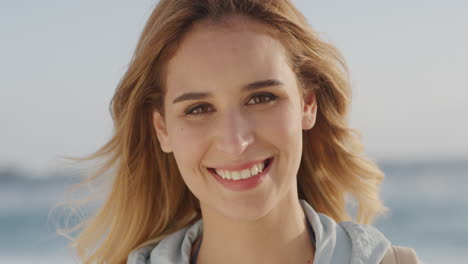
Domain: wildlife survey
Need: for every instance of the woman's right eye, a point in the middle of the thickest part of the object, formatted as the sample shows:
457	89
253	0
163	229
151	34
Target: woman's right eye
198	109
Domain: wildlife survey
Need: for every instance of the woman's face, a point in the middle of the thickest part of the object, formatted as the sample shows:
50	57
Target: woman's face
232	103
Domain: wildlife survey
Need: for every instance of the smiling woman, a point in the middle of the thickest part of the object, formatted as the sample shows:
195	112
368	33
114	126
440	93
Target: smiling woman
232	145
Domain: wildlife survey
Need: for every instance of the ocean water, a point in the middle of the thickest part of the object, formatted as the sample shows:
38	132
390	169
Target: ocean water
428	202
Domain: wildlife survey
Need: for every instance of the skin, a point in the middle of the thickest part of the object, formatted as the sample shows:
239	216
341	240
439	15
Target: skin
261	225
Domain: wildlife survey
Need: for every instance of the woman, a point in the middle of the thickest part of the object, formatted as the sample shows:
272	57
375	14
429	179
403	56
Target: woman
232	145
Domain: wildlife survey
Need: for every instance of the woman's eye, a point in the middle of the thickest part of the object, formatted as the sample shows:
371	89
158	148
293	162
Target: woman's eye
198	109
262	98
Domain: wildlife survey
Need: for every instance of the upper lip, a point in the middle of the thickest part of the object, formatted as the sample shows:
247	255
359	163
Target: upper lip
238	167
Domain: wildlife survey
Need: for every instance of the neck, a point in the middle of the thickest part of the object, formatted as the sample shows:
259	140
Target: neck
281	236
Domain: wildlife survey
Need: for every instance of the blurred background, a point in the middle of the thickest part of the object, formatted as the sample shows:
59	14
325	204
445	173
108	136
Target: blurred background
60	62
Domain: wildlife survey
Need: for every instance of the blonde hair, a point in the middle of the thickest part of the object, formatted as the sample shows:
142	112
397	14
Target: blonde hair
148	198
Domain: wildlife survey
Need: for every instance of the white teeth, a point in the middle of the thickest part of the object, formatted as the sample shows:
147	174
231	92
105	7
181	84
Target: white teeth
259	167
243	174
254	170
235	175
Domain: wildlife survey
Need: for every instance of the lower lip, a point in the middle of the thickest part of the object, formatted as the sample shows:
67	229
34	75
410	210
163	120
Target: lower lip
245	184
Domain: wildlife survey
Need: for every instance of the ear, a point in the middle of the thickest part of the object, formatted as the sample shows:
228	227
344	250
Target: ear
161	131
309	110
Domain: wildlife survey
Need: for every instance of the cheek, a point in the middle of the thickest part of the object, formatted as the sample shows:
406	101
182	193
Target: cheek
282	124
282	130
189	144
185	135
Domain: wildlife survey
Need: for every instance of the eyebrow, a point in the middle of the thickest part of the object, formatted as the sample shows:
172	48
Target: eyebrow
249	87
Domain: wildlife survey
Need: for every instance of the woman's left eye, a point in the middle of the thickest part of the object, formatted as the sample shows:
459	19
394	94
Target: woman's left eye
262	98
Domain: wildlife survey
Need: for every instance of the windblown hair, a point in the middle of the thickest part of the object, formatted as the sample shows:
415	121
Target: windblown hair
148	199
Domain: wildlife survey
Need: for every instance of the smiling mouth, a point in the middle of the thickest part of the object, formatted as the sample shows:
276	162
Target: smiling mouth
266	164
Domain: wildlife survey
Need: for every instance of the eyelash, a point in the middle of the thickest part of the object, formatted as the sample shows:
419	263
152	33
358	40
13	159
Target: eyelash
271	97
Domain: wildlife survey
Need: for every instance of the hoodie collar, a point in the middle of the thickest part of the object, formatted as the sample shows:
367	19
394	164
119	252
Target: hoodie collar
346	242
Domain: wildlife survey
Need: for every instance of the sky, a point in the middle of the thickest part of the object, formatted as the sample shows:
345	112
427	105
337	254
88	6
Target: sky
60	62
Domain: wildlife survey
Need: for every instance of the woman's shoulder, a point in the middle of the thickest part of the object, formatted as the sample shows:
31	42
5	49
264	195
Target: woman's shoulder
141	255
175	248
359	234
400	255
369	245
345	241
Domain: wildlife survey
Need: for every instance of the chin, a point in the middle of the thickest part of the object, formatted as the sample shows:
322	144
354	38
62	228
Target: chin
245	209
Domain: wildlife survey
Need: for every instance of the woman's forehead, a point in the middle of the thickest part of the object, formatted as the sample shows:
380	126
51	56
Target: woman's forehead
214	55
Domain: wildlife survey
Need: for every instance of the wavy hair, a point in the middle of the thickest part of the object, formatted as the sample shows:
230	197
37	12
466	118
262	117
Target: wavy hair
148	199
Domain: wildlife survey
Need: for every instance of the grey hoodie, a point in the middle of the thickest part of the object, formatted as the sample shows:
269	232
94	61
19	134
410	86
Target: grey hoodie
345	242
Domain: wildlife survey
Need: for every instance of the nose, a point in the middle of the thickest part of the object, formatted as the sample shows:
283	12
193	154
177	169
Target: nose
235	133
